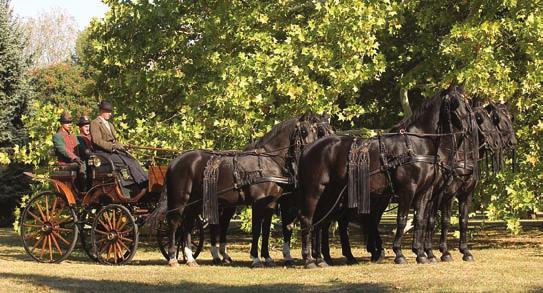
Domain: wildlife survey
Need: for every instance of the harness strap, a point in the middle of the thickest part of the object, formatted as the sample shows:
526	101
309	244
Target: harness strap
358	177
211	203
385	164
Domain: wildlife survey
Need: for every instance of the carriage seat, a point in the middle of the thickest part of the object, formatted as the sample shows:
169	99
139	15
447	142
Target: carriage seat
65	171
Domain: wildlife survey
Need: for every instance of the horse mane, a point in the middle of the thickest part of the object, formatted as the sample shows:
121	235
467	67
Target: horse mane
281	127
424	107
276	129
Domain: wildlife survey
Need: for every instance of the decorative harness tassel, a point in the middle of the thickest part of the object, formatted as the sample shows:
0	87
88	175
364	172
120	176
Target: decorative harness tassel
358	185
211	204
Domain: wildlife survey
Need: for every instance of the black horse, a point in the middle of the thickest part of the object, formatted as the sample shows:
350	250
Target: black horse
409	161
461	179
488	140
205	180
465	180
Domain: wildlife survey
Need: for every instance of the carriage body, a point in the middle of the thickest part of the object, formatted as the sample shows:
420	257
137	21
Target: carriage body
94	209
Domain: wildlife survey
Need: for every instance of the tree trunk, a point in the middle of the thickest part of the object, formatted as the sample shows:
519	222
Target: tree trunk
404	100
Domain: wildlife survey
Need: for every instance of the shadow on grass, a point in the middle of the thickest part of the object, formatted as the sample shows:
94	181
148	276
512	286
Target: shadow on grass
69	284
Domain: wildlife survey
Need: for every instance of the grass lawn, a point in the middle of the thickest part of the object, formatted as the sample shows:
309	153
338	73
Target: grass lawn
503	263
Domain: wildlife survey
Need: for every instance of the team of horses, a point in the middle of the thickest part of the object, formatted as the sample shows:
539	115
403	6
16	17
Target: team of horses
315	176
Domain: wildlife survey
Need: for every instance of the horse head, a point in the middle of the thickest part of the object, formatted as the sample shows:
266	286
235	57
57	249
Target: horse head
503	121
456	110
489	138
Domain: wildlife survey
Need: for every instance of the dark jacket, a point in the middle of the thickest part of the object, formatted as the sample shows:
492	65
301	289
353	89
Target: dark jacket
85	144
66	147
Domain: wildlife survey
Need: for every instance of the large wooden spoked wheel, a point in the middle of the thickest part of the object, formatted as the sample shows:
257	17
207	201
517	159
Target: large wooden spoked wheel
196	239
48	227
114	235
85	229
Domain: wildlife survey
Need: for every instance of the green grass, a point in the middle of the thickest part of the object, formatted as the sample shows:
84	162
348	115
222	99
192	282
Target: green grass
503	263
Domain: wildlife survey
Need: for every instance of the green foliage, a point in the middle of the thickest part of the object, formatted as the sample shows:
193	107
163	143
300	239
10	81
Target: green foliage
236	68
15	95
218	74
14	90
65	86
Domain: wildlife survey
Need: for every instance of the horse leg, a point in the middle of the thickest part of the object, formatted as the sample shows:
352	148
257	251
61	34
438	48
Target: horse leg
187	227
213	233
256	229
421	214
287	217
343	226
429	230
226	216
306	219
380	250
266	229
464	217
325	244
307	236
445	224
375	243
401	221
317	246
174	221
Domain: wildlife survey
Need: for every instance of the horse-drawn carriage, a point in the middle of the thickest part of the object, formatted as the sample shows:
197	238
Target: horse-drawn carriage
98	211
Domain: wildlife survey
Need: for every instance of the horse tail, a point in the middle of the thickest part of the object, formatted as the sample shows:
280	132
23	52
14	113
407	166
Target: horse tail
159	213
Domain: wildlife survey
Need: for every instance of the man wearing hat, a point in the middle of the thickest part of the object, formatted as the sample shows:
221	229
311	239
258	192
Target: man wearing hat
84	138
65	143
104	139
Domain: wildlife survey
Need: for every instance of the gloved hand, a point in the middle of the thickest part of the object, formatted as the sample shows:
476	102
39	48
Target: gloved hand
119	147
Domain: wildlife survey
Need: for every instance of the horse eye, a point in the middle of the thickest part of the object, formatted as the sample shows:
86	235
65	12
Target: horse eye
479	118
496	118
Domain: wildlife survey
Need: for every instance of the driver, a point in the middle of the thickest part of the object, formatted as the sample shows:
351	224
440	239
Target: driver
105	143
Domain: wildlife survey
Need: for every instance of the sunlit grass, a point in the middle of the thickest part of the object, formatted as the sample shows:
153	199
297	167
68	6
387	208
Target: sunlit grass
517	265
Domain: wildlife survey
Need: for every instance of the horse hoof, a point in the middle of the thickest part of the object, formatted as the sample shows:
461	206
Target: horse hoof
323	264
217	261
432	259
375	258
289	263
173	263
446	258
352	261
192	264
227	260
400	260
310	265
468	257
256	265
422	260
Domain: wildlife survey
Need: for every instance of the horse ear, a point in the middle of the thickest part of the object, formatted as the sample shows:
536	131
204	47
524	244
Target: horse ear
303	117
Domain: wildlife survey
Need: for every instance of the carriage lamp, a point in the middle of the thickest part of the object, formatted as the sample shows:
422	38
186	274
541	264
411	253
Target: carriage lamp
95	161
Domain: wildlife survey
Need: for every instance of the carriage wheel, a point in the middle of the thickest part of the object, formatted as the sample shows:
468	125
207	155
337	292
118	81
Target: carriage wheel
48	227
196	236
86	228
114	235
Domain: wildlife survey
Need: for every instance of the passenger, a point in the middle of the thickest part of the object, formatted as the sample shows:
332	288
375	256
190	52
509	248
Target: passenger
85	149
66	145
84	138
105	143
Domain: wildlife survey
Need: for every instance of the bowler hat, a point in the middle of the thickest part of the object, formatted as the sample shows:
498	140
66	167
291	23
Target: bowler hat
83	120
65	118
105	106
